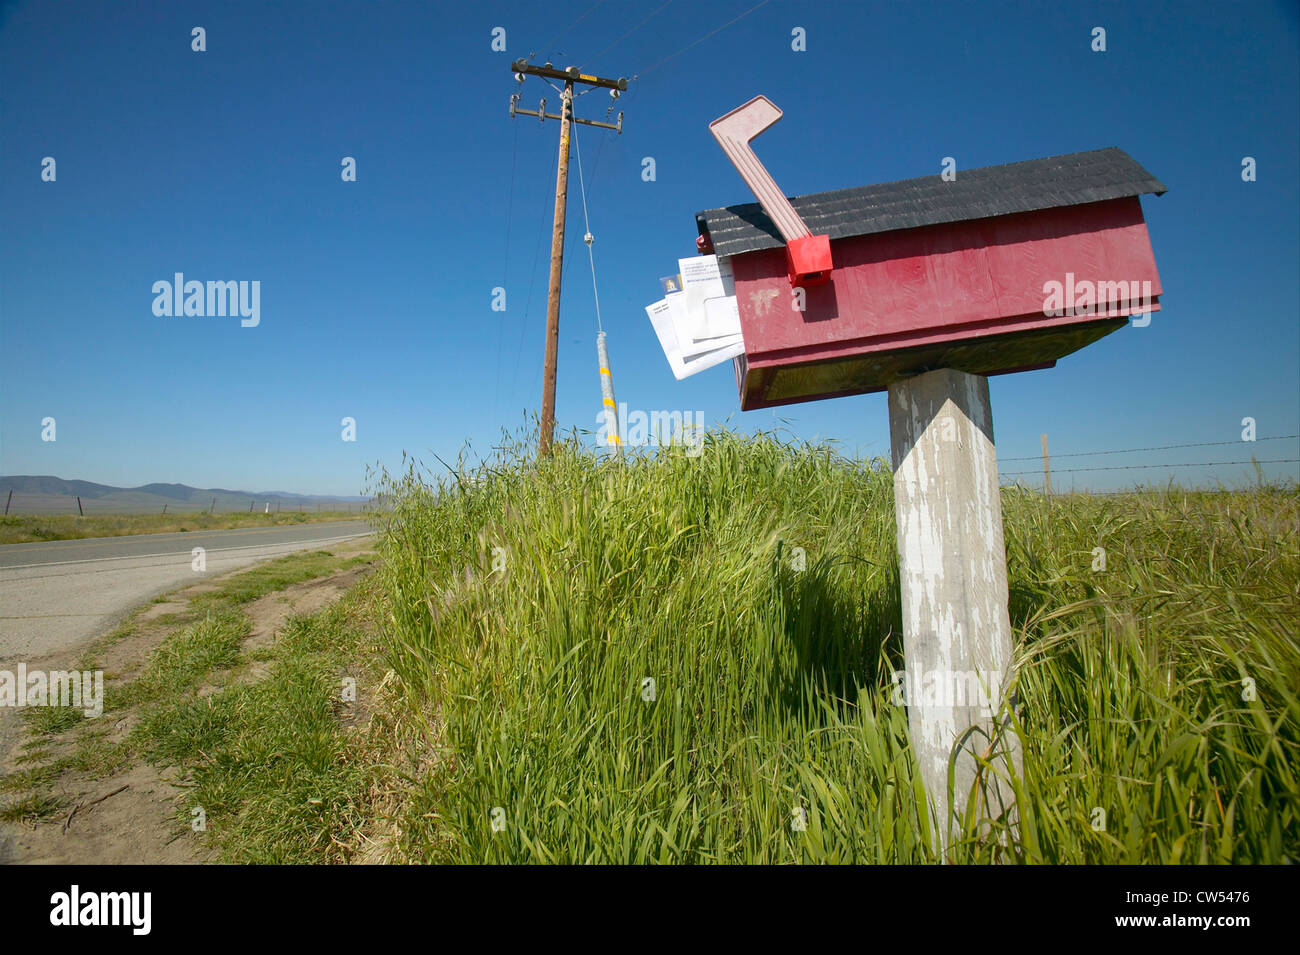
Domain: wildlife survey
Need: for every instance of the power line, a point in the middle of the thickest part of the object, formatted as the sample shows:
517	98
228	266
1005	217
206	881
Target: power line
631	31
532	281
701	39
505	269
595	163
1166	447
565	33
510	204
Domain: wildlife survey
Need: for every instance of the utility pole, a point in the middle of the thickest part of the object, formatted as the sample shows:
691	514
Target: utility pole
572	75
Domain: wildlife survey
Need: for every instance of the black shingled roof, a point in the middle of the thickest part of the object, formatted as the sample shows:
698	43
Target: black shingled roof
1067	180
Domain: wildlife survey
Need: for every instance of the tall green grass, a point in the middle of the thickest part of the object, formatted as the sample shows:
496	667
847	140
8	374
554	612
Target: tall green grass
528	605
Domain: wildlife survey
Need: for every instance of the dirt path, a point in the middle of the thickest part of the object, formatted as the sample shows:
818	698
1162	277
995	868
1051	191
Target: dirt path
127	814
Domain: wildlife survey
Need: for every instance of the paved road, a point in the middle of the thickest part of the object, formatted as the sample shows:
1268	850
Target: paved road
58	594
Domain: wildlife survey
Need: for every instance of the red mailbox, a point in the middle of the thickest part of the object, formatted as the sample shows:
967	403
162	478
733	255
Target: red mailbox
923	287
1000	269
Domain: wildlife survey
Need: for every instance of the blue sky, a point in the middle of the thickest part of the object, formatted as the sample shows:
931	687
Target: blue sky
376	294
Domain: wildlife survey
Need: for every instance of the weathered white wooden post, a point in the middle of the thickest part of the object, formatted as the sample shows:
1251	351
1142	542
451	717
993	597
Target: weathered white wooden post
953	574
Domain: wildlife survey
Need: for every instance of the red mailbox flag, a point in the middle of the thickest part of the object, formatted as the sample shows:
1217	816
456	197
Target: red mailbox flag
808	256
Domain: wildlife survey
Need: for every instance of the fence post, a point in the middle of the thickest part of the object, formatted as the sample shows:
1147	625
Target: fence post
79	510
11	497
1047	470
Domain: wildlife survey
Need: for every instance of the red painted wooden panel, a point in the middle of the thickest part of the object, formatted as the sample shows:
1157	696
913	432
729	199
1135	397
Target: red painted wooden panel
941	283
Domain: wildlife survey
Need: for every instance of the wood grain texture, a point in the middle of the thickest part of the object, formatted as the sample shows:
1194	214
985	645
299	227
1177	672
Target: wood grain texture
953	576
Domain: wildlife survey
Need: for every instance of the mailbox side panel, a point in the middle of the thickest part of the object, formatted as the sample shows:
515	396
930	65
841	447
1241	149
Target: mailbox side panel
943	282
975	288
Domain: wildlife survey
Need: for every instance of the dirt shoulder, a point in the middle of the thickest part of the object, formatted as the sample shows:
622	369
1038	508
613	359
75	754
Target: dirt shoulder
114	789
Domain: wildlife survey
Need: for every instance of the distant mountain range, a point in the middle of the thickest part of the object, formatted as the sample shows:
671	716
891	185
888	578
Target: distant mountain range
45	493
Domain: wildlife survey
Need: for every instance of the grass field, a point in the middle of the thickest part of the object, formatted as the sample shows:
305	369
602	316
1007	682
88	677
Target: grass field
620	663
600	661
22	528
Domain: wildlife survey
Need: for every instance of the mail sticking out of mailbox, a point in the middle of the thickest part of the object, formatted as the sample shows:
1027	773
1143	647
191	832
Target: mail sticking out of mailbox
699	326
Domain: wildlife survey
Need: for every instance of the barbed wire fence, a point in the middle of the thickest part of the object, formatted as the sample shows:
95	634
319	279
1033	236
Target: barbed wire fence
21	502
1047	470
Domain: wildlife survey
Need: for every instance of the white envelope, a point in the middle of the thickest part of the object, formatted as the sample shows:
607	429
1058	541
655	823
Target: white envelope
661	318
710	297
688	345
